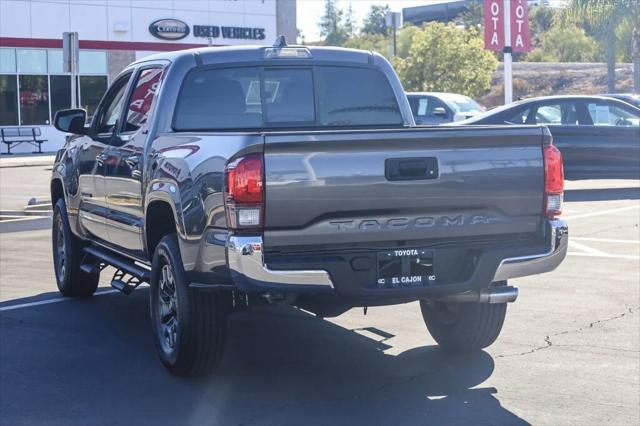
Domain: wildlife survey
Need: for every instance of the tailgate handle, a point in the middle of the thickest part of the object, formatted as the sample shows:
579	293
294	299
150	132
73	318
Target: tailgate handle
419	168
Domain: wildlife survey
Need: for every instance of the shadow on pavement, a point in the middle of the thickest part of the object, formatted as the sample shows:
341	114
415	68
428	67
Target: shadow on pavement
93	362
604	194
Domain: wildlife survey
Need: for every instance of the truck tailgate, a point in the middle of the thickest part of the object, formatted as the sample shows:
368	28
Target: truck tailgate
346	189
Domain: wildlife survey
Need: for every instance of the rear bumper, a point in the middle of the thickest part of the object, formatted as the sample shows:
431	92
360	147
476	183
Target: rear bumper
523	266
249	272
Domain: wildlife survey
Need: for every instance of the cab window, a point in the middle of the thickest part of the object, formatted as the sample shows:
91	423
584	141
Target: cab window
111	109
142	98
254	98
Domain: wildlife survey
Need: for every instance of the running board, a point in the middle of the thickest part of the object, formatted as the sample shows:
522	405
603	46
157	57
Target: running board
124	282
98	255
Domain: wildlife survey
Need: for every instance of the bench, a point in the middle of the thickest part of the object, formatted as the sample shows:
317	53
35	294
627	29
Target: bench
14	136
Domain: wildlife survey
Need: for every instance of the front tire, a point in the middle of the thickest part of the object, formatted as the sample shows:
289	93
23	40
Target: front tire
463	327
189	326
67	255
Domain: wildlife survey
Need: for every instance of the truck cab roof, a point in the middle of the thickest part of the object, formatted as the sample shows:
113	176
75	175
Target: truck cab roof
235	54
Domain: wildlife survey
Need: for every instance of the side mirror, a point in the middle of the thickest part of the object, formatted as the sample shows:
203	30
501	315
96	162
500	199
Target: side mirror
71	121
440	111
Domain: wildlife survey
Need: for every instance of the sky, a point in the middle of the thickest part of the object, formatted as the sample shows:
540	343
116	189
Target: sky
309	12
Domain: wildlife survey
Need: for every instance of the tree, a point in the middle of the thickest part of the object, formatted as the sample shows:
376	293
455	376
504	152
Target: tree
382	44
331	24
376	20
564	43
606	17
374	42
349	23
404	40
473	15
624	50
449	59
541	18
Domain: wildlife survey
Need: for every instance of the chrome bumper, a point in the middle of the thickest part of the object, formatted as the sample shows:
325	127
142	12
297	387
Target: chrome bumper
249	272
523	266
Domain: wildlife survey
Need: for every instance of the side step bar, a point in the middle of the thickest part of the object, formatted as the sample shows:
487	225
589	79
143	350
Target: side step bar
128	274
117	261
505	294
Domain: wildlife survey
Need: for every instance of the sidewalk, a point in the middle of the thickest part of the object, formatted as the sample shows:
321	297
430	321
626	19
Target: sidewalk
26	160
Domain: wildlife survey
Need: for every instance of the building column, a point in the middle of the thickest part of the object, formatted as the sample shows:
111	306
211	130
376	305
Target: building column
286	20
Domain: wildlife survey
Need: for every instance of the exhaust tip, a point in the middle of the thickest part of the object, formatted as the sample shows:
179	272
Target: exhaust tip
501	294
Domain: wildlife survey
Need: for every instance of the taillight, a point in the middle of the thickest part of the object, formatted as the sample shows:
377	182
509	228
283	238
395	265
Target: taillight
553	181
244	192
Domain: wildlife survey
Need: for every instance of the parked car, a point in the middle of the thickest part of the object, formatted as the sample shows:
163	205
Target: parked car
239	176
439	108
630	98
598	136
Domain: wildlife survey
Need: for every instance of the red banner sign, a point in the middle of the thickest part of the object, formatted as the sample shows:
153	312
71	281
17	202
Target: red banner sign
493	25
520	37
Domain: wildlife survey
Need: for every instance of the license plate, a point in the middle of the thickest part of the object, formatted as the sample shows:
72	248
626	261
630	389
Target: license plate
405	268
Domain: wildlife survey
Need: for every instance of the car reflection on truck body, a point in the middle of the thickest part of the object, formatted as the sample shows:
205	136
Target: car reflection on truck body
598	136
439	108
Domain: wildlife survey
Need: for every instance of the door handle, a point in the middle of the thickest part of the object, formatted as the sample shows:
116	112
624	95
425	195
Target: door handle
414	168
101	158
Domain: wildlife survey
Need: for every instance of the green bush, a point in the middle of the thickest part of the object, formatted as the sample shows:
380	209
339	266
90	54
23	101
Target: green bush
564	43
448	59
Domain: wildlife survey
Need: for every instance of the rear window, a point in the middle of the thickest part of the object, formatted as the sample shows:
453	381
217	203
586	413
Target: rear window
253	98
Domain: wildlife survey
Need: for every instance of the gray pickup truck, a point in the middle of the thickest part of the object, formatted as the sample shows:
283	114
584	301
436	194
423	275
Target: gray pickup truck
240	176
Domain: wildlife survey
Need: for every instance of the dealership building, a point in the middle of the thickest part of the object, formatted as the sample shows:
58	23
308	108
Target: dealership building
112	34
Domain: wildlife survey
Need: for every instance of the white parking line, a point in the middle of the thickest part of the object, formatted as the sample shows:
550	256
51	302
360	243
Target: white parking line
604	255
602	212
606	240
586	249
48	301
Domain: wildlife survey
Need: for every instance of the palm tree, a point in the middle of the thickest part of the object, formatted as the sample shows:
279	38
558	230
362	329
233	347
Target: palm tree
605	16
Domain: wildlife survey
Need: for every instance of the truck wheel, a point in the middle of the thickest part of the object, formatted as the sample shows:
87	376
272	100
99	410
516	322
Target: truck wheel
463	326
67	255
189	326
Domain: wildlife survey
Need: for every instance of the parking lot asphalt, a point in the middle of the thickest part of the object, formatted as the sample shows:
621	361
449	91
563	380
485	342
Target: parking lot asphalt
19	184
569	352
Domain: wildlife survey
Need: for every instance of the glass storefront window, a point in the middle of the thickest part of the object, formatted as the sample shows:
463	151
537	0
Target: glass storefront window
8	61
93	62
54	59
34	99
91	90
60	93
8	100
34	86
32	61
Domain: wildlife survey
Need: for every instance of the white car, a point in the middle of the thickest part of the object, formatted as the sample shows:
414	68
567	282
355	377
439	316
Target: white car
440	108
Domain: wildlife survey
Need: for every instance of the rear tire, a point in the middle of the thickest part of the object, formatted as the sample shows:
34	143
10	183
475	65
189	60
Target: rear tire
463	326
189	326
67	256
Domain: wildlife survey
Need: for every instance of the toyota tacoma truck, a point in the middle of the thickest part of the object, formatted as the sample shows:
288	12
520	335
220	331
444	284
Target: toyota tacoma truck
239	176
